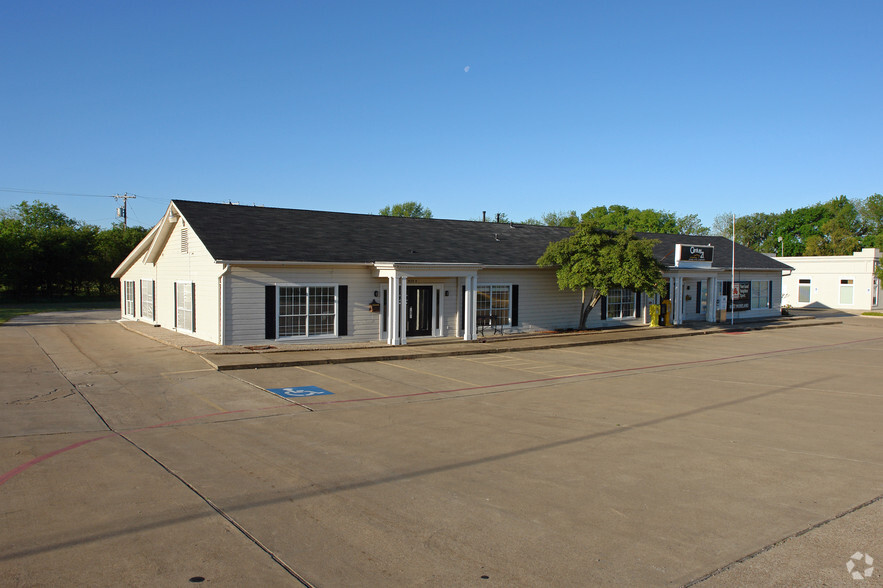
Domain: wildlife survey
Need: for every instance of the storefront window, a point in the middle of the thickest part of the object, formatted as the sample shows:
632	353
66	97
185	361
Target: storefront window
620	303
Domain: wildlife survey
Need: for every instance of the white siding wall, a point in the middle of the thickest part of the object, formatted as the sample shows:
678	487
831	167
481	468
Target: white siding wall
194	266
245	300
541	305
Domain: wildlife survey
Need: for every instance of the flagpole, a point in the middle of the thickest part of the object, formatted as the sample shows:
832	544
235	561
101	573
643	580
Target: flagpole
733	277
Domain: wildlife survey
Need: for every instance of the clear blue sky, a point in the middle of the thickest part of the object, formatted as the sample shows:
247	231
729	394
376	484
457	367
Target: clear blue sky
693	107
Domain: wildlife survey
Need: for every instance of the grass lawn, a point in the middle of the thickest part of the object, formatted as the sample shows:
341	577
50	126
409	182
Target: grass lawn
12	309
873	313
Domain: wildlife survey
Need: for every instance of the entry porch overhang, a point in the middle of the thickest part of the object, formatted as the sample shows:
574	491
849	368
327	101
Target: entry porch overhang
709	277
397	275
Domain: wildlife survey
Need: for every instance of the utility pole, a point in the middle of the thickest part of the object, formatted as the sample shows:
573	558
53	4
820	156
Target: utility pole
123	211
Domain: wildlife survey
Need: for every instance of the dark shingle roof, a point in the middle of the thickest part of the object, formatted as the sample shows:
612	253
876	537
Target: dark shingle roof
723	252
254	233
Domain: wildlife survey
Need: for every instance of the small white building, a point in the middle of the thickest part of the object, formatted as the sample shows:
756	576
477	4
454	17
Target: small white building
833	281
237	275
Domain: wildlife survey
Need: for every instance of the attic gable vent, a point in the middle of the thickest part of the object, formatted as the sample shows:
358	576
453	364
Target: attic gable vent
185	247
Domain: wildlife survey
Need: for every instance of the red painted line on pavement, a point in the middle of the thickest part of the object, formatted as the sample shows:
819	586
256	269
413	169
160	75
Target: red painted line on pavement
27	465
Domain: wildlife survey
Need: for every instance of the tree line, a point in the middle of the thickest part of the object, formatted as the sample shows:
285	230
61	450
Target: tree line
45	254
839	226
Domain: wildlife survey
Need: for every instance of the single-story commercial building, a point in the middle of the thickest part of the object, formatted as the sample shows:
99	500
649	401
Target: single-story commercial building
833	281
233	274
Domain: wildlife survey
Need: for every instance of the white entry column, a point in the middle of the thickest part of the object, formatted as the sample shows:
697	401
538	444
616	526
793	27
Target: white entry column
403	323
678	301
392	312
470	329
711	300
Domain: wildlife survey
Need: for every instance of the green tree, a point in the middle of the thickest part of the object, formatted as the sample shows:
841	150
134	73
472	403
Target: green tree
561	218
837	230
598	259
836	227
45	253
871	214
407	209
619	218
691	224
111	248
40	249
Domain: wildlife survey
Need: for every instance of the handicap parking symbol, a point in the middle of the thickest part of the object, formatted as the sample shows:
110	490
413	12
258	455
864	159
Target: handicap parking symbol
299	391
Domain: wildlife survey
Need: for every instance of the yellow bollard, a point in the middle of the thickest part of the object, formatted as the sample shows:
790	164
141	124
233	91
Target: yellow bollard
654	315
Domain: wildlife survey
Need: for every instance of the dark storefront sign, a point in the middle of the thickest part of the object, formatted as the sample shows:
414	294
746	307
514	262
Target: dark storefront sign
696	253
738	298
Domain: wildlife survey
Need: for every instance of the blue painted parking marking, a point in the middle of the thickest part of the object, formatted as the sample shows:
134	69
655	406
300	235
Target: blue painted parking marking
299	391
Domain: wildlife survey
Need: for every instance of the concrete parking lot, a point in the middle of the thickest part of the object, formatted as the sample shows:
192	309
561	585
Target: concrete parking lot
720	460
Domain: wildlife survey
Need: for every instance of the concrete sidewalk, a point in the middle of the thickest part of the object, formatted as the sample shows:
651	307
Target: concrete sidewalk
238	357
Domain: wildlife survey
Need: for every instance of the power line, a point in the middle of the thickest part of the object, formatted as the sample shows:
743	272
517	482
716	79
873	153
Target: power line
48	193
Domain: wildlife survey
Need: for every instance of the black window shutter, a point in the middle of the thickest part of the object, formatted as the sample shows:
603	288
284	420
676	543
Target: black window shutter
193	306
175	306
770	292
341	311
514	305
270	312
603	308
385	318
699	297
463	310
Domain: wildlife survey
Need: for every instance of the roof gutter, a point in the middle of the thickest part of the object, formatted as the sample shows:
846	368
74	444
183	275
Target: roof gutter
228	262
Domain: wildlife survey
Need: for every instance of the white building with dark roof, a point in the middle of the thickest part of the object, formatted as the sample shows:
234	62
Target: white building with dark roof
233	274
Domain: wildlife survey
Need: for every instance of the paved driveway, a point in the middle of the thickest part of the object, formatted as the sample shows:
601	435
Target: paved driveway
67	317
654	463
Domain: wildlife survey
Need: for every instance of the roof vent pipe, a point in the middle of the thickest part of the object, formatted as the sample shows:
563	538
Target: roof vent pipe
484	216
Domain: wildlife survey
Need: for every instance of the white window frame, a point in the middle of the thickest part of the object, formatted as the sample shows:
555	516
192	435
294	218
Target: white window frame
800	284
129	301
875	283
306	335
184	287
623	292
758	286
147	289
851	286
508	288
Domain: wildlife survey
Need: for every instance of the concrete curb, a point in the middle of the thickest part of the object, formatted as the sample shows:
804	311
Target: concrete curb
481	349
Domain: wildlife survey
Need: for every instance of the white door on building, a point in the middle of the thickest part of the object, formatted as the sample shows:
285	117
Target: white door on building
695	299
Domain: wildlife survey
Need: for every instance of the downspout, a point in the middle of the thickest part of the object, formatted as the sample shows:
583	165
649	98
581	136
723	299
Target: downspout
221	331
